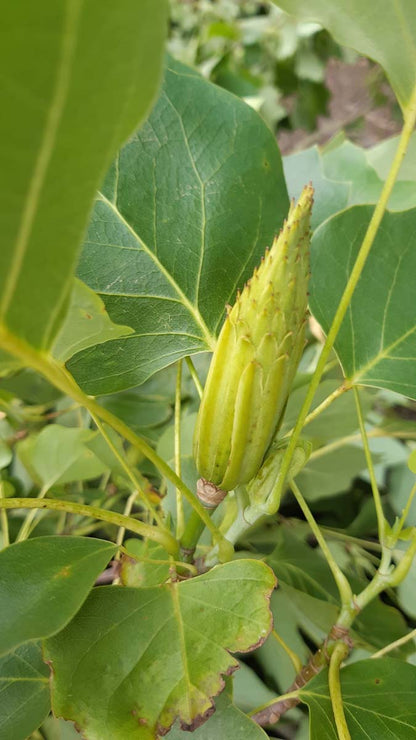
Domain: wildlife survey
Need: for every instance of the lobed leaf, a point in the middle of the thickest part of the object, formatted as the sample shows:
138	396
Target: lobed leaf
135	659
376	344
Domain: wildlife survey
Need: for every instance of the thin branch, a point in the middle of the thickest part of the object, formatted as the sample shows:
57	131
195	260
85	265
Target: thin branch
381	522
119	520
326	403
194	376
270	713
127	511
396	644
27	527
128	470
343	585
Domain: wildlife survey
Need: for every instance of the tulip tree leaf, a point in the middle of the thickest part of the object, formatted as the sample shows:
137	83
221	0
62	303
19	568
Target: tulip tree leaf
79	77
24	689
87	323
135	659
376	344
378	699
342	176
43	582
384	31
185	213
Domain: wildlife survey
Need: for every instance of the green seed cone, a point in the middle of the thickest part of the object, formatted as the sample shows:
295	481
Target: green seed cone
255	360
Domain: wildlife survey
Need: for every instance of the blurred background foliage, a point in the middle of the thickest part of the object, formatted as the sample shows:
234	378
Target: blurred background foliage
294	74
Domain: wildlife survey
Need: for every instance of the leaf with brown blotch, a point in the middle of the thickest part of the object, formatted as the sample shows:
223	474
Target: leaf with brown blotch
133	660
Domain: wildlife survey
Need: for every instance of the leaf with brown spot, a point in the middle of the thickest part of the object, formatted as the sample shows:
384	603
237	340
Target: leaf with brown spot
43	583
133	660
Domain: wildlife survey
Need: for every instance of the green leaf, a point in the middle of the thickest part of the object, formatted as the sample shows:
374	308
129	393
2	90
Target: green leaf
60	454
402	480
407	592
80	77
342	176
185	213
135	659
138	410
249	691
377	340
330	473
24	688
138	567
381	156
378	698
226	722
87	323
351	164
273	659
412	462
296	564
383	31
43	582
306	166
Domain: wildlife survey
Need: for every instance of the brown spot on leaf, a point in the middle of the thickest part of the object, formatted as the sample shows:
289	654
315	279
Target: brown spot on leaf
65	572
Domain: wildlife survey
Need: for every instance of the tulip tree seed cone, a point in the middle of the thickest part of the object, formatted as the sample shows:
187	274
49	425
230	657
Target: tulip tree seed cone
256	357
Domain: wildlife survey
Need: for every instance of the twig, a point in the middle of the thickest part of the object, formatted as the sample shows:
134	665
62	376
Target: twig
343	585
270	713
194	376
145	530
381	522
323	406
127	469
396	644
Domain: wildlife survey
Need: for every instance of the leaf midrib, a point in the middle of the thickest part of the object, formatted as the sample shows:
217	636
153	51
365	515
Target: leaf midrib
52	123
193	310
